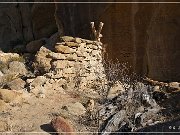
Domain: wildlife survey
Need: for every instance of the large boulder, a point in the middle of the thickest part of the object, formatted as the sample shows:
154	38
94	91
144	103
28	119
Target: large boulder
16	67
6	57
8	95
75	108
16	84
63	126
42	62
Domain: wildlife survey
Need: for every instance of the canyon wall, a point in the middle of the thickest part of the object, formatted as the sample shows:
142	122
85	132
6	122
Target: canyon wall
22	23
144	35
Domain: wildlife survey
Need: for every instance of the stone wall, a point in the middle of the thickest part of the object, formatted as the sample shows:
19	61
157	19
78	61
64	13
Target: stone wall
76	60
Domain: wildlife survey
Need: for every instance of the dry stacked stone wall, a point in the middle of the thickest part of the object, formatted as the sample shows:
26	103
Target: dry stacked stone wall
78	61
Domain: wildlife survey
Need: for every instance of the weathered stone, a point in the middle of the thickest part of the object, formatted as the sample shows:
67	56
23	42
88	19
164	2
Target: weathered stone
17	84
77	40
29	81
62	126
8	95
42	63
79	58
4	126
67	38
17	67
156	88
72	57
39	91
91	76
57	56
68	76
6	57
69	70
115	90
90	93
64	49
75	108
35	45
95	53
93	63
60	64
92	46
38	81
71	63
72	44
174	85
87	41
89	50
1	74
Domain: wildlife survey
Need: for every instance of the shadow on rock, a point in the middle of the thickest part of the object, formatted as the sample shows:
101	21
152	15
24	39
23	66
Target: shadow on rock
48	128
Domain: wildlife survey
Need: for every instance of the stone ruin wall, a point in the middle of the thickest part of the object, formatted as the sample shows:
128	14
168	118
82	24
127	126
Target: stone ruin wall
77	61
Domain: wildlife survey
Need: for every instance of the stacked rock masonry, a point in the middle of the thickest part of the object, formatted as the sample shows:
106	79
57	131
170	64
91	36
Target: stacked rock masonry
78	61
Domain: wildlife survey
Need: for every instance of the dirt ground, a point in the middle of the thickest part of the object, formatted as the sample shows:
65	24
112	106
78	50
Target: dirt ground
34	115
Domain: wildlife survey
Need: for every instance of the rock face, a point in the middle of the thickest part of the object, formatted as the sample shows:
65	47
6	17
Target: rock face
22	23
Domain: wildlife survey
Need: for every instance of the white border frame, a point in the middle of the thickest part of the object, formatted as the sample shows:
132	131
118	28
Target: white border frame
93	3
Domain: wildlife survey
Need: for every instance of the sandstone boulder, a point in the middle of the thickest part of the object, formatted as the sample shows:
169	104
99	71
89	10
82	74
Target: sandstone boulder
42	62
175	85
38	81
67	39
64	49
72	44
62	126
6	57
77	40
57	56
16	67
75	108
71	57
17	84
60	64
8	95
